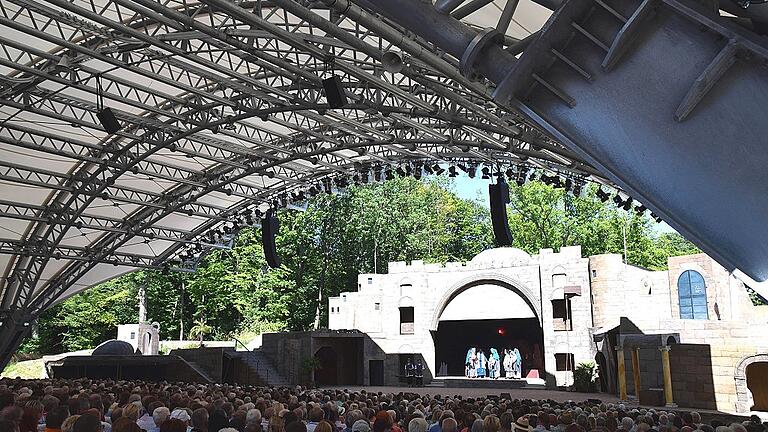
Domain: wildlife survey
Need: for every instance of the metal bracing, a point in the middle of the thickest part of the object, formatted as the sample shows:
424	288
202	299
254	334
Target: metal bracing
221	110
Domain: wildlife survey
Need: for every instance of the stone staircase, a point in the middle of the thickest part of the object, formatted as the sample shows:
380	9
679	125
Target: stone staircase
199	369
263	367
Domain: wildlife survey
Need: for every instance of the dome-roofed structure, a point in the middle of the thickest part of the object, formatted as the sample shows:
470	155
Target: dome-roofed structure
503	256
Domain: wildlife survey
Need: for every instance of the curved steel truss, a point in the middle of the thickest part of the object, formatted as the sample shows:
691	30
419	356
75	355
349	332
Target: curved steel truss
222	113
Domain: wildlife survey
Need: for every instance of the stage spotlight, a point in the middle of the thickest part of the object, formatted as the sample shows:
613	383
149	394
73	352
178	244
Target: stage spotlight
577	189
602	195
417	172
334	92
438	169
400	171
471	171
627	204
486	173
108	121
452	171
428	169
105	115
640	209
617	200
501	331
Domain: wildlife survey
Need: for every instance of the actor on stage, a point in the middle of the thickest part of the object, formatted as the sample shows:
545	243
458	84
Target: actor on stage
518	368
509	363
493	364
482	364
472	363
419	373
409	372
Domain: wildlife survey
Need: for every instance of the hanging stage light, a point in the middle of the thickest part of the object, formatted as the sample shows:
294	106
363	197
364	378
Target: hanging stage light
602	195
471	171
438	169
334	92
486	173
627	204
452	171
105	115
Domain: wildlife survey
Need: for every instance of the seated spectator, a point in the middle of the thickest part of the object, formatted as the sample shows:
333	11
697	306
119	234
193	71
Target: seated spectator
173	425
69	423
55	418
87	423
159	416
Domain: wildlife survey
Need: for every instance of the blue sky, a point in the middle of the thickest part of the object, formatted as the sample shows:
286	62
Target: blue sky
476	189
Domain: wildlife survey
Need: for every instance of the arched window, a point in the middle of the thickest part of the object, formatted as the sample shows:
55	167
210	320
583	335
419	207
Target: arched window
692	293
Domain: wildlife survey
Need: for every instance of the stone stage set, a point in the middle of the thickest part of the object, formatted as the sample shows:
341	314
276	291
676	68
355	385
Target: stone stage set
558	309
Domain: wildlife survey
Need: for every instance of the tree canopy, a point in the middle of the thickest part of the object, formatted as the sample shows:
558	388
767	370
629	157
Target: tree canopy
327	246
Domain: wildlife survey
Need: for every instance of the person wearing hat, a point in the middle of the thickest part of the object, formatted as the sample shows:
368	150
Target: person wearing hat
522	425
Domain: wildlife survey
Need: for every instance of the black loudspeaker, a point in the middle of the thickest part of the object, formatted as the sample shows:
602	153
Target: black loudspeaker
270	226
499	194
334	92
108	120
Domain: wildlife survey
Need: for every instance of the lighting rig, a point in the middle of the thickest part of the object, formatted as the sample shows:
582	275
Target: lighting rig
222	237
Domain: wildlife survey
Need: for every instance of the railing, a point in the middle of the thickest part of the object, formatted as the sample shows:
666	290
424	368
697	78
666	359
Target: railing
237	341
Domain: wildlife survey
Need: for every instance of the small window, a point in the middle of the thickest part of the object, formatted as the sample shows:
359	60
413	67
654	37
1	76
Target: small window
133	335
594	273
692	293
561	315
406	320
377	306
344	297
564	362
370	281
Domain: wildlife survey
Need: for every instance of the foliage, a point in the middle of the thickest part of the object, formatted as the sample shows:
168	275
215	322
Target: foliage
757	299
585	377
542	217
29	369
200	329
326	247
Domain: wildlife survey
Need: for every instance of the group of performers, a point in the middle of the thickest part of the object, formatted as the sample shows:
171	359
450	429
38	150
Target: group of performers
414	373
478	365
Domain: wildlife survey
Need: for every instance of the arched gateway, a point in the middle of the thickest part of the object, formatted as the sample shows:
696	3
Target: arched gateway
484	311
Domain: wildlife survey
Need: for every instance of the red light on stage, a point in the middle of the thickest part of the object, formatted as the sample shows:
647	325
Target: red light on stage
501	331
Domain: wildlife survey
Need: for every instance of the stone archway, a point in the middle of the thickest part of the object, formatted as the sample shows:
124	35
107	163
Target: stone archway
740	375
518	324
533	301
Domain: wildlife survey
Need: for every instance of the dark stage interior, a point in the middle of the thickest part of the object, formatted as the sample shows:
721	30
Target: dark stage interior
454	338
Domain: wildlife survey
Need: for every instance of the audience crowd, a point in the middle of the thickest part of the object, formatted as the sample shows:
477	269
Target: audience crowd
85	405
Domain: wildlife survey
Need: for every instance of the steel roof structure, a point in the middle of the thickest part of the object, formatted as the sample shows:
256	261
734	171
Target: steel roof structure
222	113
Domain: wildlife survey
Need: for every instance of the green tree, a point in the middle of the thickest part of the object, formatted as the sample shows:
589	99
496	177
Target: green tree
326	247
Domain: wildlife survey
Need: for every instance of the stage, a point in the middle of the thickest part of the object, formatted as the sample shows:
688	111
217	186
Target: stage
486	383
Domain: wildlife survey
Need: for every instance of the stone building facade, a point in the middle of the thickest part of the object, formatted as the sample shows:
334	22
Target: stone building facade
586	307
